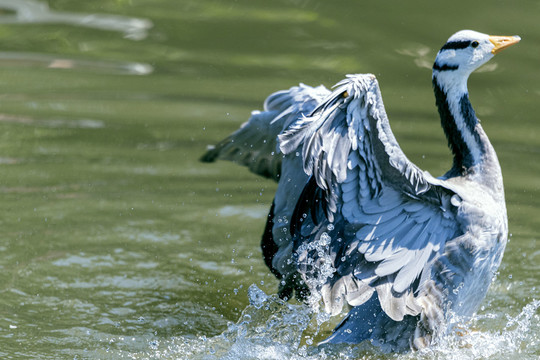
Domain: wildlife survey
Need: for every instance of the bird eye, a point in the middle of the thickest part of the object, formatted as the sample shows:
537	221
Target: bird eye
474	44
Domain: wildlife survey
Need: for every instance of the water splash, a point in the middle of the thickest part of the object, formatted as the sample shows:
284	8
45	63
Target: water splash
315	258
518	339
270	328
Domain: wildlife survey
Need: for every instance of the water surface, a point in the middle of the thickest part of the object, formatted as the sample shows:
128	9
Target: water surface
117	243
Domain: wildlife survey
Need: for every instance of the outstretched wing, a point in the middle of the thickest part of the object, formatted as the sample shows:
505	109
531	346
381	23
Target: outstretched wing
255	144
368	213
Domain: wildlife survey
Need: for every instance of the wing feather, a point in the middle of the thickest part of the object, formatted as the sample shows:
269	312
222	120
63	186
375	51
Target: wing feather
254	145
382	217
398	217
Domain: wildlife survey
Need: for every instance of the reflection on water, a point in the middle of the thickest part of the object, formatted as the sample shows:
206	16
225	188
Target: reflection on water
34	11
246	212
38	12
53	123
11	59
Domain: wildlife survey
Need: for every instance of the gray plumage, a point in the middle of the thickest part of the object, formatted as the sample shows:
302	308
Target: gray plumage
412	254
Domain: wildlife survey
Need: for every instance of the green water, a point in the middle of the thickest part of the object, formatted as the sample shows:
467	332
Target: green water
117	243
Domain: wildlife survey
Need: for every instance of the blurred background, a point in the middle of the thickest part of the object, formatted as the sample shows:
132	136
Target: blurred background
116	242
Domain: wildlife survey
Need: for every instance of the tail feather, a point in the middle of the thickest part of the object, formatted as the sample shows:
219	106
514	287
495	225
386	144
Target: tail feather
359	323
369	322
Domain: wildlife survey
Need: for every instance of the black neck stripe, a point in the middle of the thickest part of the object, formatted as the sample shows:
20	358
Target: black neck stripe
463	157
444	67
454	45
468	114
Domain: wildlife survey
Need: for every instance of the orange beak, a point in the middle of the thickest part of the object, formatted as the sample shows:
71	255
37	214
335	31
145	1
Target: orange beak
502	42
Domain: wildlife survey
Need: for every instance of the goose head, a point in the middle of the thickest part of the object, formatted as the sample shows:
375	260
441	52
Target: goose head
466	51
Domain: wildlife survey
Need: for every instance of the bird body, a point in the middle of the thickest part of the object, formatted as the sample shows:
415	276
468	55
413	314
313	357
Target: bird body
412	254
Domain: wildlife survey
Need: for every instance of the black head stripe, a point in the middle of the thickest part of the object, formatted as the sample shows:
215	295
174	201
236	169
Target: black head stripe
454	45
444	67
